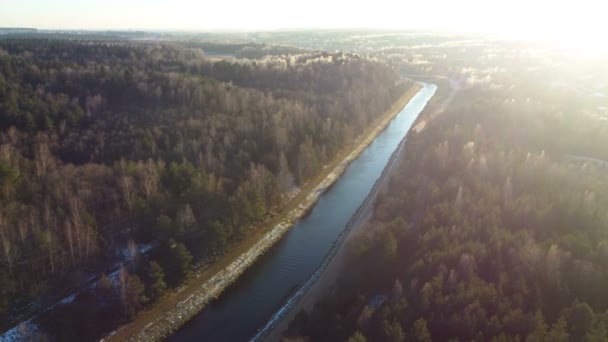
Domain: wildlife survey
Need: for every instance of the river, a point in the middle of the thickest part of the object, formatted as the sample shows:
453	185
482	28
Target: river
264	292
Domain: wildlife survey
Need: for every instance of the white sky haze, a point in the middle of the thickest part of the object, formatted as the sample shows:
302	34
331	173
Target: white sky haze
557	19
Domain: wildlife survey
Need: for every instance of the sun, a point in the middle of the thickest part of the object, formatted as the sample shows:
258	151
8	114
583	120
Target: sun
579	26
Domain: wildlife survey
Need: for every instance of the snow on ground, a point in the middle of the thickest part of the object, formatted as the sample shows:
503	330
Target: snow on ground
68	299
25	331
142	248
376	301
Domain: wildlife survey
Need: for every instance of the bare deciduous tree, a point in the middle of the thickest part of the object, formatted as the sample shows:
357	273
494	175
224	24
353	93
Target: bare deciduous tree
70	237
42	154
6	154
8	248
150	177
128	191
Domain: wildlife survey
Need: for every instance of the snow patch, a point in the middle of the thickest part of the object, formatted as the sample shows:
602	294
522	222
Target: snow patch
22	332
68	299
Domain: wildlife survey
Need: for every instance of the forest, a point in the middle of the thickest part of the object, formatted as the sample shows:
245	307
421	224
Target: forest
138	160
493	228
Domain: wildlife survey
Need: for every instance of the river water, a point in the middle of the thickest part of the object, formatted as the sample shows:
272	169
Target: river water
262	292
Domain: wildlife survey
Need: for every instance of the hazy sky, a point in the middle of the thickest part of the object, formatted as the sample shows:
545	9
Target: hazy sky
513	16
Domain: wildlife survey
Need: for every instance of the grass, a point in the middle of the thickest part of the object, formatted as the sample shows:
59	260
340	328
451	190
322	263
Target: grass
199	277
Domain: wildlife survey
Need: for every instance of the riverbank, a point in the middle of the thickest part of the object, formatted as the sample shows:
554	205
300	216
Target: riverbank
336	260
331	269
206	284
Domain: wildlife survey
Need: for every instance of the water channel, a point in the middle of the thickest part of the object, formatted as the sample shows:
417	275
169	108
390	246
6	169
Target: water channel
264	291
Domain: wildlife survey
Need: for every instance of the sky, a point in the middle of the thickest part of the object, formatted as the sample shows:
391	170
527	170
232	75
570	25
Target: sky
512	17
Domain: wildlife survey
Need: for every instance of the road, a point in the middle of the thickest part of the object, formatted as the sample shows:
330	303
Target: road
455	87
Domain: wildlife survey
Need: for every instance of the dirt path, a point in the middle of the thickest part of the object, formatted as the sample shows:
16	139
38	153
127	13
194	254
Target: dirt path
455	87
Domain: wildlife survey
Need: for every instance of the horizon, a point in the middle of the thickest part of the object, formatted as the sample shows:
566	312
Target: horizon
519	20
188	15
